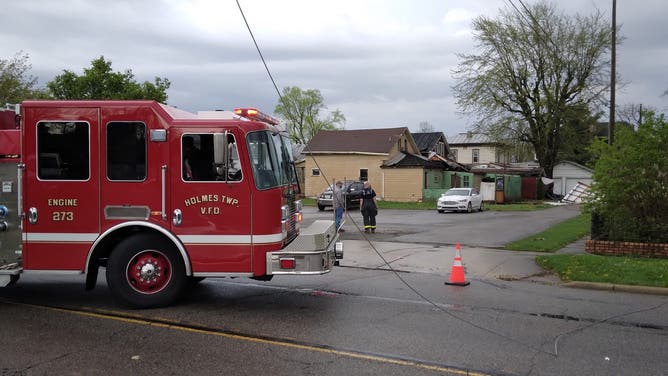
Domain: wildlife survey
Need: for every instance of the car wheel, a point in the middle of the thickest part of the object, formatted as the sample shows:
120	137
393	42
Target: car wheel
481	206
469	208
321	207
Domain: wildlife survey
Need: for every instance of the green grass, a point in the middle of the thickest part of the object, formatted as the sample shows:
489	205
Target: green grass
555	237
608	269
425	205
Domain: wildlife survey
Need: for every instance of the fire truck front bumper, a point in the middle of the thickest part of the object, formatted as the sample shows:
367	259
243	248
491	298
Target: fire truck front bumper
314	251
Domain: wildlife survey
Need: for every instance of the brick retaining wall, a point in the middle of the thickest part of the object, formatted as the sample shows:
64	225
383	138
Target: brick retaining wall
607	248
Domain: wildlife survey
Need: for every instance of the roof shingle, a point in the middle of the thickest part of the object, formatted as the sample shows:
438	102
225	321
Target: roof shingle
356	140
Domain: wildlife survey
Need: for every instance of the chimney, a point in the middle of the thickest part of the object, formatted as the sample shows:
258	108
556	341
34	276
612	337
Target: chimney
469	134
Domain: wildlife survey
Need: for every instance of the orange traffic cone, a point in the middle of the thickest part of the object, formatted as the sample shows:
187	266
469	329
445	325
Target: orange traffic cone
457	273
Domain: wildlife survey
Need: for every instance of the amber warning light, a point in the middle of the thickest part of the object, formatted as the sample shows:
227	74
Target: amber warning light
254	114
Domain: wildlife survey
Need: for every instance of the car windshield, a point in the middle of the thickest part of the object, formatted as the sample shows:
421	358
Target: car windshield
346	186
457	192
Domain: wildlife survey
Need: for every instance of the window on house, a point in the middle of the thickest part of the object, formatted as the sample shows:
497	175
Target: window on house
476	155
405	145
364	174
315	172
63	150
440	148
466	181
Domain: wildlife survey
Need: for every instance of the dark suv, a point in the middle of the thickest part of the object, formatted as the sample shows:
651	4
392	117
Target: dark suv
352	191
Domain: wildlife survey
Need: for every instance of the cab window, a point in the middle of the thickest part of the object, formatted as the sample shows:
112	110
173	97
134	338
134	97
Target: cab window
198	162
126	151
63	150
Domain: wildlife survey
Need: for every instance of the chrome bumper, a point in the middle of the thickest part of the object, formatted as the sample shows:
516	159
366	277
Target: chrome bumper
314	251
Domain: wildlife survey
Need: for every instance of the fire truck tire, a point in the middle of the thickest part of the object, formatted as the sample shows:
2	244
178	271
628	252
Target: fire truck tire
194	281
146	271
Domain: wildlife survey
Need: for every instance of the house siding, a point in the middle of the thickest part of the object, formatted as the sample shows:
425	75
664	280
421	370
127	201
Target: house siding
567	175
402	184
465	153
341	166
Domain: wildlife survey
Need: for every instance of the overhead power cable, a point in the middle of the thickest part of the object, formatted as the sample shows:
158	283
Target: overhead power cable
259	51
380	255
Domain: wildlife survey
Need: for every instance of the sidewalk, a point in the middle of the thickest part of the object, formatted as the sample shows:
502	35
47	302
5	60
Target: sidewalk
479	263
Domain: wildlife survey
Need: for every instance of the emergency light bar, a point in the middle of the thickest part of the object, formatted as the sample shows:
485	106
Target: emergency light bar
254	114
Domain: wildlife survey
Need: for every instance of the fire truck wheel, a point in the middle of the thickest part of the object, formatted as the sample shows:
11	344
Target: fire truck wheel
145	271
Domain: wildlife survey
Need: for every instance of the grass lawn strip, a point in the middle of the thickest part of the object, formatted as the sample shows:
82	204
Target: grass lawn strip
556	237
608	269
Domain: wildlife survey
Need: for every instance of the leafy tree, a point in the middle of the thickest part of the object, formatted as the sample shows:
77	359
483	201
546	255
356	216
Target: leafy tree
534	71
631	183
301	110
577	136
99	82
15	82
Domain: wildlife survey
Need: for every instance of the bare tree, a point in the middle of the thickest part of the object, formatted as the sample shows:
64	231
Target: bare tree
633	113
16	84
425	127
534	70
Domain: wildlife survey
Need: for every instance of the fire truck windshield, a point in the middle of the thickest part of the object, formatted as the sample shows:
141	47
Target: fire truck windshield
271	159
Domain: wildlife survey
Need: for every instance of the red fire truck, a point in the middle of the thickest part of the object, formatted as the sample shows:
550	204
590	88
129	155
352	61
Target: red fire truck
158	197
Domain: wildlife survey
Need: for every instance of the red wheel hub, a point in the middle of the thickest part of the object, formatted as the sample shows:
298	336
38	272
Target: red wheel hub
149	272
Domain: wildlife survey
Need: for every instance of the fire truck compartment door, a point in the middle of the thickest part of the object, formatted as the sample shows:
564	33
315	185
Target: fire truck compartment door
61	153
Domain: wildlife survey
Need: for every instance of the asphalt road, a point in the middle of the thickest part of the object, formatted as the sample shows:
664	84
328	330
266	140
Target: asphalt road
353	321
491	229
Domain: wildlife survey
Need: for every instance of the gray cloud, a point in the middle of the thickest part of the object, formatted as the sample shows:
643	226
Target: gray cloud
382	65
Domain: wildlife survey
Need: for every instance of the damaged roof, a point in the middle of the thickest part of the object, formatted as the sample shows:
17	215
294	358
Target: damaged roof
426	141
404	159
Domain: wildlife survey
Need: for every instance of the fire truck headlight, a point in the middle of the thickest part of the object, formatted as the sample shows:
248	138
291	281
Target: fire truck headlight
285	216
298	206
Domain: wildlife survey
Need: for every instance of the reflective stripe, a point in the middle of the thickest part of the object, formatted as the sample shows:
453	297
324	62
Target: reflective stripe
231	239
59	237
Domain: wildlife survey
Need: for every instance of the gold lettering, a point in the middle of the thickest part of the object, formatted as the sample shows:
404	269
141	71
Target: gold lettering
209	210
59	216
208	198
72	202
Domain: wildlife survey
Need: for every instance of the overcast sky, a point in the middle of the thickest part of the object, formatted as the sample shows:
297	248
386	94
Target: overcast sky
382	63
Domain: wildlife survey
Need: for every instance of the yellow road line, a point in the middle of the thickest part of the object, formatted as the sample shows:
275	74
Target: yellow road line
250	338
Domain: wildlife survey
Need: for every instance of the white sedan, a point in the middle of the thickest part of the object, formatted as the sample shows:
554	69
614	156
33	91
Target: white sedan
460	199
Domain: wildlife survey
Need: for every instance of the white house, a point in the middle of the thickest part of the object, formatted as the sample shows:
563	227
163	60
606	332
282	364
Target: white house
567	174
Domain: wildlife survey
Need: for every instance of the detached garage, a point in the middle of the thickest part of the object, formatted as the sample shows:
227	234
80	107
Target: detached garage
567	174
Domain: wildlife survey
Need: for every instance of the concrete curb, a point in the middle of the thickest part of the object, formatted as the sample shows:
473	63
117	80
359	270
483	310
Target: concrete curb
620	288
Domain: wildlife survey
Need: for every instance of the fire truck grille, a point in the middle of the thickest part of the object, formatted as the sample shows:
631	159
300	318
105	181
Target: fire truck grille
292	224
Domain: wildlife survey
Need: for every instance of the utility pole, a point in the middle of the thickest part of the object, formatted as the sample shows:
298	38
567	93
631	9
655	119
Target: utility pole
613	63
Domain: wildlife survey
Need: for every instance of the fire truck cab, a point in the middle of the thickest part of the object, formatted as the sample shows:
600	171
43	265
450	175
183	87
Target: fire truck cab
156	196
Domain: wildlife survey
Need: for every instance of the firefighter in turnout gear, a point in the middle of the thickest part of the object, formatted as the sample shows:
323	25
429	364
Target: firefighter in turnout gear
369	208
